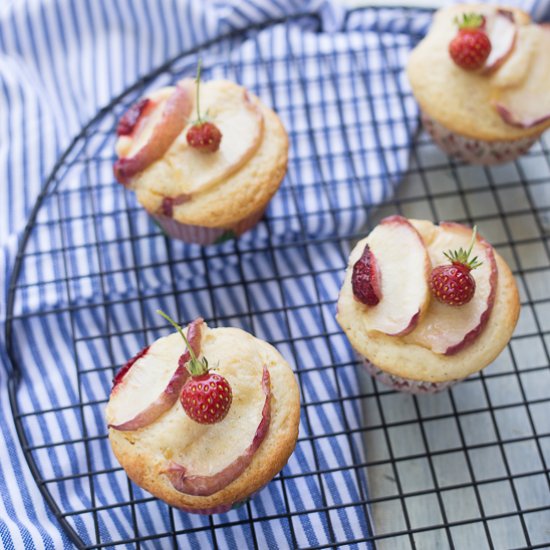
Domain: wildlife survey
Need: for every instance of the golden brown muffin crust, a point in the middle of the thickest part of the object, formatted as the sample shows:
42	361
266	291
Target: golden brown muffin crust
393	354
459	100
145	467
239	195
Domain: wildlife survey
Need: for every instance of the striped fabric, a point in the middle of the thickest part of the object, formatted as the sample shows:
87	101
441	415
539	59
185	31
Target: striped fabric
60	62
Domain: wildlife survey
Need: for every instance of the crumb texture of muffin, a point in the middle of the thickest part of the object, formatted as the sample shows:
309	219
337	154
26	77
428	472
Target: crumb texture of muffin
206	449
464	101
435	351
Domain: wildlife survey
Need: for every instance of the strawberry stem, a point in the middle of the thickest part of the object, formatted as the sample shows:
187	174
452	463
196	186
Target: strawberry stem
195	366
470	21
474	236
462	256
198	82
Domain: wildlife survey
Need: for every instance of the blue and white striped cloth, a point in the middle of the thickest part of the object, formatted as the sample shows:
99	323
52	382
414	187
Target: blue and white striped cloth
61	61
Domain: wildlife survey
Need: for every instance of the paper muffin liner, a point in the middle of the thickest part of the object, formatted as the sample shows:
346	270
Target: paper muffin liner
476	151
221	508
207	235
407	385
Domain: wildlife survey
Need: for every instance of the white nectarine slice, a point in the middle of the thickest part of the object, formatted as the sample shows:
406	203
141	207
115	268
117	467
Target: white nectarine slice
514	71
153	137
527	103
501	29
150	384
240	121
404	266
446	329
187	482
200	458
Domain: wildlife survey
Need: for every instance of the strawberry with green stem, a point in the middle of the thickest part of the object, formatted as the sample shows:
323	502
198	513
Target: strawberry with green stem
203	135
206	396
471	46
453	284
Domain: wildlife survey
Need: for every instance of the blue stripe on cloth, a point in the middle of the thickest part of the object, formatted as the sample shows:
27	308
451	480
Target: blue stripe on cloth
23	517
60	62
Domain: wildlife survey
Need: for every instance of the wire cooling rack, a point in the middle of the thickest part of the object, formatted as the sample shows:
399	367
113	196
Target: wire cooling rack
464	469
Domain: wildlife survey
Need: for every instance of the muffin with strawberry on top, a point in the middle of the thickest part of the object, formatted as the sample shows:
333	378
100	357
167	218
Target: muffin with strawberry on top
204	418
204	159
426	305
481	77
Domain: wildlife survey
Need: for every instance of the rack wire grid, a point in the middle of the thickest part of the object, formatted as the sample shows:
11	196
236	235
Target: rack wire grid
467	468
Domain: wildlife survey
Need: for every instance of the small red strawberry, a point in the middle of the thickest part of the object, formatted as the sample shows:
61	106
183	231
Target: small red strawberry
206	396
203	135
453	284
471	47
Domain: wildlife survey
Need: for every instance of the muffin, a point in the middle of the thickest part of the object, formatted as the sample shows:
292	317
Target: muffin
204	441
204	160
486	107
417	331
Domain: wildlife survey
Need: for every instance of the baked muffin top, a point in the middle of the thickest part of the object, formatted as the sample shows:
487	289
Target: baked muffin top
462	100
443	343
147	453
218	188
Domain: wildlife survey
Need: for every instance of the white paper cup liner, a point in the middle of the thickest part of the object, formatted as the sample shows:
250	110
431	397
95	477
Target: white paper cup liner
406	385
207	235
476	151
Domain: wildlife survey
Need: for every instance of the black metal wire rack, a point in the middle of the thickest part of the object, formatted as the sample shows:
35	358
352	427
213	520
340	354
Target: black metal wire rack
468	468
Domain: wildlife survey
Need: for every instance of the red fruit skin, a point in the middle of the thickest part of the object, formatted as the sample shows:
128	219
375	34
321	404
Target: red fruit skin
470	48
130	118
168	203
452	284
206	398
205	137
122	372
365	279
